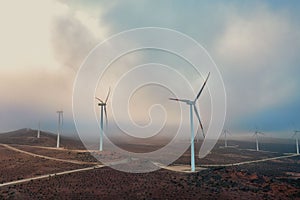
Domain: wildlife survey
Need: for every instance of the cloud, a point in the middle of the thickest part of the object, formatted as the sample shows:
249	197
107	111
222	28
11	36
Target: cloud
25	33
257	55
73	35
255	44
42	46
257	39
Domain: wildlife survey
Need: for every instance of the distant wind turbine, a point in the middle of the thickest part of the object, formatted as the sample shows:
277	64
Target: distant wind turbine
59	126
192	104
256	133
102	105
226	132
39	130
297	142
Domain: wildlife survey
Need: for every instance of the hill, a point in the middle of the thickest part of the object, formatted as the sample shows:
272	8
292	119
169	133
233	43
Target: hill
28	136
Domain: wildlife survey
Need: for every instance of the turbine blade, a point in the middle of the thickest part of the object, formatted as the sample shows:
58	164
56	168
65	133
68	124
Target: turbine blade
106	121
173	99
62	119
107	95
202	88
99	99
182	100
228	132
198	117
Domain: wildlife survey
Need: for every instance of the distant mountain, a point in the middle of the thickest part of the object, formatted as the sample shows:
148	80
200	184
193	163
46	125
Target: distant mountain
28	136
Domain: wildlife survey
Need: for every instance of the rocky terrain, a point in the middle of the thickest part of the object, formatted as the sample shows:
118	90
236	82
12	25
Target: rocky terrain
274	179
218	183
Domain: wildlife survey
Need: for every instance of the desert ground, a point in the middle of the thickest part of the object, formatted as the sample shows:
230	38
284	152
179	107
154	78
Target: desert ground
32	168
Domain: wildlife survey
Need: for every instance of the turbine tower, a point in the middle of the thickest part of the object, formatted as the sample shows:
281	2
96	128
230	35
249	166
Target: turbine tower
59	126
256	133
102	105
192	104
297	140
39	130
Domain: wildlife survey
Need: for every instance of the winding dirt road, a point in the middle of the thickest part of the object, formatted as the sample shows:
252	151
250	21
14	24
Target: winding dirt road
49	158
251	161
177	168
50	175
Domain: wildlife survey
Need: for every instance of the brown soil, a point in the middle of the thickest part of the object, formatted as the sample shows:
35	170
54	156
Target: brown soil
15	166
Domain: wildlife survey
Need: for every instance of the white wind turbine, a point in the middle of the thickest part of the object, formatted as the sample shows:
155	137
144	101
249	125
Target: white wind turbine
39	130
256	133
59	126
102	105
297	140
226	133
192	104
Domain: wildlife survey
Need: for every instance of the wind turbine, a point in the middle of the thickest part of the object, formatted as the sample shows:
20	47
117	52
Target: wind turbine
102	105
225	132
256	133
297	142
59	126
39	130
192	104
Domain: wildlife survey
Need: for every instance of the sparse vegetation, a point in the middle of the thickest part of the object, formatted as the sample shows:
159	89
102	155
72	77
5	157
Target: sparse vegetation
277	179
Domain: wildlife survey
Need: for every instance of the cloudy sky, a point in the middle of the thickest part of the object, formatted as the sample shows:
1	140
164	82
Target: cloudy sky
255	44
